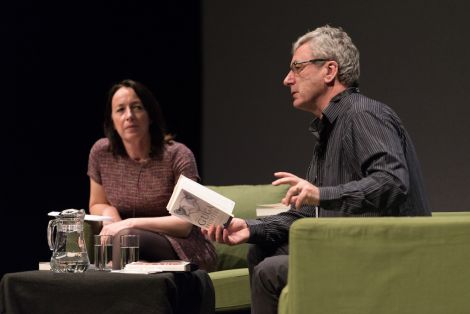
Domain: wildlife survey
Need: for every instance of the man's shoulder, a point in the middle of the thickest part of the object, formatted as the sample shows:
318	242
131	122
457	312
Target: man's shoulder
363	108
363	102
359	103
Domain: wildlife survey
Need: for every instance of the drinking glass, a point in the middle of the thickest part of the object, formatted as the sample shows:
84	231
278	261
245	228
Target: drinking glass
129	249
103	251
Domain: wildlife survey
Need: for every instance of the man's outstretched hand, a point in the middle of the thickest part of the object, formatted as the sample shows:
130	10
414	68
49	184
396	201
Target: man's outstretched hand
301	191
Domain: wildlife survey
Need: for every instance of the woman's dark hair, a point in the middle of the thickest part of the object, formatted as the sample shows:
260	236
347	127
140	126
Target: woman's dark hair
158	136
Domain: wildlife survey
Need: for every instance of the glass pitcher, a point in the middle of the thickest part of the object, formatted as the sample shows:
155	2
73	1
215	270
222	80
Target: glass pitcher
67	244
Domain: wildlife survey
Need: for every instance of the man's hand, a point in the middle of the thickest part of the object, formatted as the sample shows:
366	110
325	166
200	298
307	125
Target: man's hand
301	191
237	232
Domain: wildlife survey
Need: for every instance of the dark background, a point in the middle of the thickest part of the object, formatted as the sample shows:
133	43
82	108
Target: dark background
414	57
67	56
217	69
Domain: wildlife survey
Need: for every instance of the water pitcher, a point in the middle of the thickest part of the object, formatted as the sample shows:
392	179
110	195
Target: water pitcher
67	243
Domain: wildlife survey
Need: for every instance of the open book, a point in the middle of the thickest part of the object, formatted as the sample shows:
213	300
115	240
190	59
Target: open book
199	205
271	209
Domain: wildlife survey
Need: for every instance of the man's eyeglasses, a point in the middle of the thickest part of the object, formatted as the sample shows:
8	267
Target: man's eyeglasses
298	66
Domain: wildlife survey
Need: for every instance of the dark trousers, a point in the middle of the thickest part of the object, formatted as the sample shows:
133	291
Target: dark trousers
268	276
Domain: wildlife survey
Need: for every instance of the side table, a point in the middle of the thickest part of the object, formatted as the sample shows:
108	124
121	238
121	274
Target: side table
103	292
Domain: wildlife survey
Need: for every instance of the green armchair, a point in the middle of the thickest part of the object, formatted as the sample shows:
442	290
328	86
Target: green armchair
379	265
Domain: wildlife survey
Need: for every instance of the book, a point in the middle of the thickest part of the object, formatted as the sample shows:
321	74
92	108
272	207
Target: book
44	266
264	210
87	217
155	267
199	205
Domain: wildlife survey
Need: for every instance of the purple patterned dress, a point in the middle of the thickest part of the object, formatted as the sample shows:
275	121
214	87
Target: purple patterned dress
143	190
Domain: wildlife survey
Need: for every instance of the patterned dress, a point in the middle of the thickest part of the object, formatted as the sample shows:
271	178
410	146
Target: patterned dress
143	190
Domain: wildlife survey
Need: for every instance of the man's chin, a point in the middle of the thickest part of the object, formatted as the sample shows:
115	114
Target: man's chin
302	106
298	104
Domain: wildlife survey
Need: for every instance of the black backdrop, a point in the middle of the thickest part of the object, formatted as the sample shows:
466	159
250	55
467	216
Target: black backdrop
66	57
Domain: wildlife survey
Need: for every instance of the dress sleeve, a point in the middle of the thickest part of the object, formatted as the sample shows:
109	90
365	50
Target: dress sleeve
184	163
93	164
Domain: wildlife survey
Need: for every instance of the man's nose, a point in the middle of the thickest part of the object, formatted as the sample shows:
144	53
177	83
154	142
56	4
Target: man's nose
289	79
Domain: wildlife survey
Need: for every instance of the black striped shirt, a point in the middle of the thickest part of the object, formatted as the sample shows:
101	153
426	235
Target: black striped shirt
364	164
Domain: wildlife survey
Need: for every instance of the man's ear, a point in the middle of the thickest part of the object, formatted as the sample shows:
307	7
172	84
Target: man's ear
332	71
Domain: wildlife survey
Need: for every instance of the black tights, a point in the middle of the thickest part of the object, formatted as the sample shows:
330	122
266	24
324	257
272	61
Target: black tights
153	246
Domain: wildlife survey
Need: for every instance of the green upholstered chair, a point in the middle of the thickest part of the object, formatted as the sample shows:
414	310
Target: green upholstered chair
389	265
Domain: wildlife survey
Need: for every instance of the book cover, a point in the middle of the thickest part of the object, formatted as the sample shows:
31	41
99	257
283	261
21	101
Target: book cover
199	205
263	210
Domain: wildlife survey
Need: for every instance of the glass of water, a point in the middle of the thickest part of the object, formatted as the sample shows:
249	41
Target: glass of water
103	251
129	249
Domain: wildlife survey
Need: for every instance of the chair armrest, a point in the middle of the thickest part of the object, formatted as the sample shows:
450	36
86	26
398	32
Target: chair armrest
379	265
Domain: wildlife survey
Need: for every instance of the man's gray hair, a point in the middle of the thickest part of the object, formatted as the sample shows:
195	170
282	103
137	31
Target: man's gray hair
335	44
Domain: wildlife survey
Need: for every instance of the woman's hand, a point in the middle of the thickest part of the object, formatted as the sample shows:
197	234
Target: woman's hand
114	227
301	191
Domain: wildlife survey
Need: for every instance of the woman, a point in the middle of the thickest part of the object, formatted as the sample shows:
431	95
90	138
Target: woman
132	175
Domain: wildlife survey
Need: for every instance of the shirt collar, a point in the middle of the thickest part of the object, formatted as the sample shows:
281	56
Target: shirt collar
332	111
334	108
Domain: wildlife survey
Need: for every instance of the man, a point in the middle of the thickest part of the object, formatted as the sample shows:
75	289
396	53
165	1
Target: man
364	163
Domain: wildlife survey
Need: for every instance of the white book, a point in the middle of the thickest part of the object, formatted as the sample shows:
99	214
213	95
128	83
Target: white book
264	210
44	266
165	265
87	217
199	205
